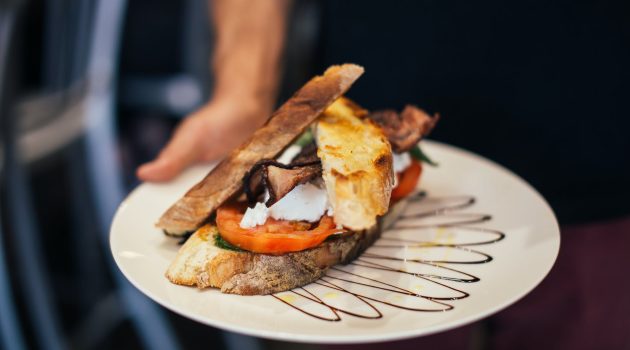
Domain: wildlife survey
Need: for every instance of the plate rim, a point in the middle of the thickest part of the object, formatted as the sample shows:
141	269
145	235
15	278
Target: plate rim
356	339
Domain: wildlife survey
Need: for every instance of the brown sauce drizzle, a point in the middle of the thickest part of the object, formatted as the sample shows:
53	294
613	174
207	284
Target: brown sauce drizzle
450	217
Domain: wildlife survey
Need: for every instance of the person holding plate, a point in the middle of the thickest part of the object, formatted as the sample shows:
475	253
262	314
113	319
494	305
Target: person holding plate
538	87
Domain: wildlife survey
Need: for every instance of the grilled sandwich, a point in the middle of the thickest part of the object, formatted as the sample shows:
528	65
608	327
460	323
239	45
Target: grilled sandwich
314	187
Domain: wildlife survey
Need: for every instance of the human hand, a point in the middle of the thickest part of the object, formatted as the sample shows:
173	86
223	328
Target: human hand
207	134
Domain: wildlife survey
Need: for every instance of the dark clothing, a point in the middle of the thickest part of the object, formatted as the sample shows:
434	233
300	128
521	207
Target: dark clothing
540	87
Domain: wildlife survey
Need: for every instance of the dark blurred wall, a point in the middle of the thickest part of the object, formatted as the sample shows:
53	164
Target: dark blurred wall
541	87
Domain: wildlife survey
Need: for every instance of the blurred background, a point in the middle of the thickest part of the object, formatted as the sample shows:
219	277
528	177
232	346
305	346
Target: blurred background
90	89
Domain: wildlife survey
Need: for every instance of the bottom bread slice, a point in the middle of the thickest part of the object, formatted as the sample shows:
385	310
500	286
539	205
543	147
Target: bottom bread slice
200	262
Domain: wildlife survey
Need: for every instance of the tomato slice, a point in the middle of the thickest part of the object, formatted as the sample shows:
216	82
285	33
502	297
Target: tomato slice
275	236
407	181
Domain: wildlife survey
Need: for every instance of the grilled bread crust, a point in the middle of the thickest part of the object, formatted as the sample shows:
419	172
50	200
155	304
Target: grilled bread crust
284	126
357	165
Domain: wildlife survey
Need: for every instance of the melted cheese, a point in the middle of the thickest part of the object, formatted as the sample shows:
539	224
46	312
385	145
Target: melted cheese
401	162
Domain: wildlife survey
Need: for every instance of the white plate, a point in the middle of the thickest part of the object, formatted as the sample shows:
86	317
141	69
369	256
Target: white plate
519	261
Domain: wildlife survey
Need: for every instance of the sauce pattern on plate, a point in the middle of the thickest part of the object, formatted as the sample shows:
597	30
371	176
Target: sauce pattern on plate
412	267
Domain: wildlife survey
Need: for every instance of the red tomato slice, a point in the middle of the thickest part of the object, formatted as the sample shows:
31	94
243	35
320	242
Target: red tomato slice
275	236
407	181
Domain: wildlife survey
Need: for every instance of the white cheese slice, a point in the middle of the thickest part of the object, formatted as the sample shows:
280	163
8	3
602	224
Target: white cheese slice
306	202
287	156
255	216
401	162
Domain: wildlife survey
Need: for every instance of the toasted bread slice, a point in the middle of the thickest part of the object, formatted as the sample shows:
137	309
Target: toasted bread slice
284	126
200	262
357	165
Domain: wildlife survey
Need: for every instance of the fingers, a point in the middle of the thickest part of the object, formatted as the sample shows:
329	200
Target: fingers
206	135
157	170
182	150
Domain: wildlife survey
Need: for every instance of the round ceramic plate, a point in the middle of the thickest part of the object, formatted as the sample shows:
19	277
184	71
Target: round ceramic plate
473	240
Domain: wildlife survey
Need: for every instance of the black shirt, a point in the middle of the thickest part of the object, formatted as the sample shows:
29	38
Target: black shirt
541	87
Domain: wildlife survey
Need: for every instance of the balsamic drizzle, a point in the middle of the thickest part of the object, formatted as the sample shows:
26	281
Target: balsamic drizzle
355	281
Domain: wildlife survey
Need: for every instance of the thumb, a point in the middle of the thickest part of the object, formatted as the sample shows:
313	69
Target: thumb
181	151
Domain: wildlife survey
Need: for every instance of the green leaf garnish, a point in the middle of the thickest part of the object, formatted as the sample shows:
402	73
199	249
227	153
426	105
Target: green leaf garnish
223	244
304	139
416	152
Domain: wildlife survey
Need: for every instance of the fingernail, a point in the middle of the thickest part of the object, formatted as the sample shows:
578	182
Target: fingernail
157	170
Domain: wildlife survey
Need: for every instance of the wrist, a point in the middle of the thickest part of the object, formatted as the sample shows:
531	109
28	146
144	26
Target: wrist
247	101
254	94
242	82
245	110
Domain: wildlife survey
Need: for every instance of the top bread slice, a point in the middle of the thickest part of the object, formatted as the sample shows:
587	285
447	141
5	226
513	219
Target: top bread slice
357	165
284	126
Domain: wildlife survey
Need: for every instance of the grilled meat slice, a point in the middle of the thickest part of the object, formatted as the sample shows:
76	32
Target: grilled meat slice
405	129
279	179
307	154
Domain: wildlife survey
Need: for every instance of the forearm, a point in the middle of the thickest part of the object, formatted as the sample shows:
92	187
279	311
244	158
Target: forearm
249	44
